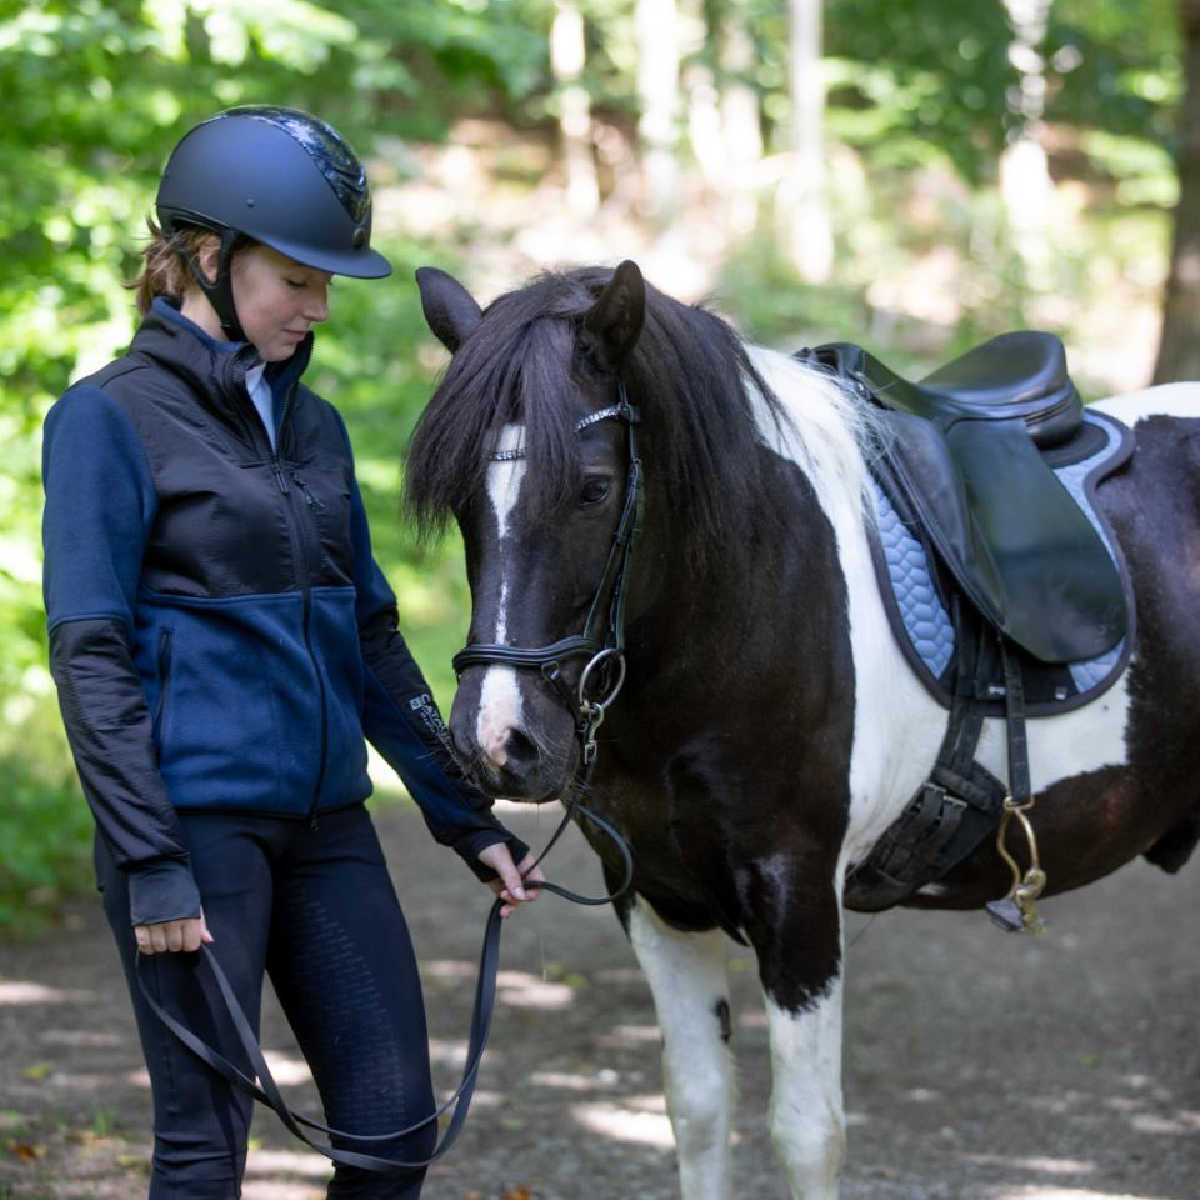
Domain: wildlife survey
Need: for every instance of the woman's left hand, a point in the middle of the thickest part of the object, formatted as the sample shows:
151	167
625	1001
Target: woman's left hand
509	886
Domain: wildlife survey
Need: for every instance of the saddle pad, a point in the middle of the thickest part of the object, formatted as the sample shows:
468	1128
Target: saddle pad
913	590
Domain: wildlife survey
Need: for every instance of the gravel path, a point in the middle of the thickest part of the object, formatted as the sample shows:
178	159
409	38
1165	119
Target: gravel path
978	1066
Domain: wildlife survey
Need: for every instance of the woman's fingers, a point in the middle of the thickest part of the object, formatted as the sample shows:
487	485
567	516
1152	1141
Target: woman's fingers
187	934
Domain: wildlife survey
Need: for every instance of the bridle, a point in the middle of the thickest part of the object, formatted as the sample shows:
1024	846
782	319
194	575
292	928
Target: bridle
603	637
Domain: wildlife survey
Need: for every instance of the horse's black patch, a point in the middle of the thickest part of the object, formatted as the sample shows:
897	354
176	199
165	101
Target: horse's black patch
724	1019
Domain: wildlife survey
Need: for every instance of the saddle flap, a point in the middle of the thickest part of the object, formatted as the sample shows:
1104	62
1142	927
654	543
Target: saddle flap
1011	535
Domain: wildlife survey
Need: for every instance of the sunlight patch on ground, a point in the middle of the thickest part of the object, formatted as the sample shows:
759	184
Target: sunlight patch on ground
522	990
1053	1193
447	970
1045	1165
568	1082
448	1051
625	1124
286	1162
287	1069
79	1037
631	1035
26	991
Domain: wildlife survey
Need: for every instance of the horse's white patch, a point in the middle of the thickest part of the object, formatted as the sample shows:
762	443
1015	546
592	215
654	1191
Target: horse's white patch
686	973
1165	400
806	1118
499	694
897	724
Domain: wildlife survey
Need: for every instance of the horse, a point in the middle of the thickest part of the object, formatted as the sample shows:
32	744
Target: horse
769	729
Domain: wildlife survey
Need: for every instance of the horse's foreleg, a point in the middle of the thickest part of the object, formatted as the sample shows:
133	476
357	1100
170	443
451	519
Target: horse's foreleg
686	973
800	969
807	1123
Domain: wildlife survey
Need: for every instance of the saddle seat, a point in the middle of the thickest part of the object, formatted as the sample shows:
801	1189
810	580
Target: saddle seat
966	454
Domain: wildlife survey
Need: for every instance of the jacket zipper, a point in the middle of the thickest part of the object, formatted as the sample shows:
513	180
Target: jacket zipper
296	531
164	675
300	558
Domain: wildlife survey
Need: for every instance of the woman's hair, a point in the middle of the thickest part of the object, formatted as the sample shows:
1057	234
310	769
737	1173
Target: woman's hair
164	272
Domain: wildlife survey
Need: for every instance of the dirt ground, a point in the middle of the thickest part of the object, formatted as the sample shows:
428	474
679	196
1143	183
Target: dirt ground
978	1066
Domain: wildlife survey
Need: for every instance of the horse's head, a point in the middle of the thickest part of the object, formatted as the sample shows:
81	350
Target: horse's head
528	441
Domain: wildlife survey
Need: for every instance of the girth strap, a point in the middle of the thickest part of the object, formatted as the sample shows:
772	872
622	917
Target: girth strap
961	802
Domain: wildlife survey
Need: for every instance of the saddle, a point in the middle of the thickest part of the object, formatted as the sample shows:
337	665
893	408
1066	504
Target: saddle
968	458
970	450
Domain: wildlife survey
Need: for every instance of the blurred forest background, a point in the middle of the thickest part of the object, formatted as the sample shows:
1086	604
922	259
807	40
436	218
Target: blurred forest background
909	174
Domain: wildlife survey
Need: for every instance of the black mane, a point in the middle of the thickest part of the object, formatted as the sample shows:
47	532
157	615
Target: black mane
689	373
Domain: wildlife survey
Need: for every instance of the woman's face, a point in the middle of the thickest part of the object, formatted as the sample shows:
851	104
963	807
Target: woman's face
277	299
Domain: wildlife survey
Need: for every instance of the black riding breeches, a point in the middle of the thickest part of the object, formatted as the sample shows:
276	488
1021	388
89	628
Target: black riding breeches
315	909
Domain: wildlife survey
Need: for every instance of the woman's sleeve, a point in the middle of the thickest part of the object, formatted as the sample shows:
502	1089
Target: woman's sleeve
403	723
100	502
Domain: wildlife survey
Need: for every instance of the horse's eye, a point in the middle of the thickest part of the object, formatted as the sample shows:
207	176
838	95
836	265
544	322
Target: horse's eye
595	489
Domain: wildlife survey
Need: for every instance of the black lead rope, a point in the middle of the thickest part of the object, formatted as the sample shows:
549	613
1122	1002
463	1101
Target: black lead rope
266	1090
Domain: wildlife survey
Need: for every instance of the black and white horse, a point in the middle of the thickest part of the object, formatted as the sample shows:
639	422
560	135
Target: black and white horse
769	729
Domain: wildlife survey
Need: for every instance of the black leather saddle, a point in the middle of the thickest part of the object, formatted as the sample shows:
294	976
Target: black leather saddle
969	450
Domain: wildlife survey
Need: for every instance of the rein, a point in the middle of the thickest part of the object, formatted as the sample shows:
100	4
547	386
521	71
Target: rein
263	1088
603	641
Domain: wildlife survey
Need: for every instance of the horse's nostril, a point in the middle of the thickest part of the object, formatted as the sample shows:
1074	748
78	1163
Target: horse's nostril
520	749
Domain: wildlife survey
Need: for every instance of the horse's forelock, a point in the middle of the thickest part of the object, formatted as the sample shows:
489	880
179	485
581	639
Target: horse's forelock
515	367
688	372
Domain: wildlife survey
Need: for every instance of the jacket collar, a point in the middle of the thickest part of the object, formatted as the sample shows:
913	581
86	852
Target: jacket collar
215	369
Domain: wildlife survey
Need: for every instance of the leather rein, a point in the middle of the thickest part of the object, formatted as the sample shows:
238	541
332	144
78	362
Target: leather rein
603	641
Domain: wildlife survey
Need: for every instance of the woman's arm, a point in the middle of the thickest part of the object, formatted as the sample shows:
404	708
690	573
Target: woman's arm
100	502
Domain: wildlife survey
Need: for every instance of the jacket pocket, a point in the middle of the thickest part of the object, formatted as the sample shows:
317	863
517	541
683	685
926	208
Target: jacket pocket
163	664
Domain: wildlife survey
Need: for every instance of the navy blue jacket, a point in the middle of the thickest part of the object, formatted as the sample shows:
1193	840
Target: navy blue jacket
220	634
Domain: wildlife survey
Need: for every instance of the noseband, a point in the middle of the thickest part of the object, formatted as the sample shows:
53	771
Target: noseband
603	636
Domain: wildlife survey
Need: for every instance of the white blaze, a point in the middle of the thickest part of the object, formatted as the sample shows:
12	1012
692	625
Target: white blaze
499	696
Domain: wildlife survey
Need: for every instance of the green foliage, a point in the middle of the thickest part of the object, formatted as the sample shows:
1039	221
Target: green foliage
97	92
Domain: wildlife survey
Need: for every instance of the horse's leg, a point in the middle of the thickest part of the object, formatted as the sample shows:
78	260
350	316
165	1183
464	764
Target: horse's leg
800	969
686	973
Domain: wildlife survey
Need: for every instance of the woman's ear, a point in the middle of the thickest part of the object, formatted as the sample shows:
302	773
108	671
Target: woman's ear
208	256
450	310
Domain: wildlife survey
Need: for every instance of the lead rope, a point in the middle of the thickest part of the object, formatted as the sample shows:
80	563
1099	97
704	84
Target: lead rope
266	1090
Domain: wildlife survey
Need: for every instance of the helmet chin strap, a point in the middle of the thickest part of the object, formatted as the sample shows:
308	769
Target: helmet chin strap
220	291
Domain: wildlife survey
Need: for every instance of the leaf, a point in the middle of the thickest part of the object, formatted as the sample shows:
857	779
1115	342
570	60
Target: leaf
37	1072
518	1193
27	1153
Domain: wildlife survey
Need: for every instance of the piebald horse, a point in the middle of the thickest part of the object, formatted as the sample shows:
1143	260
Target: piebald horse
769	729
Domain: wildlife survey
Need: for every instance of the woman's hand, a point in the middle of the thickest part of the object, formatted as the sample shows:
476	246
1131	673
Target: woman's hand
187	934
509	886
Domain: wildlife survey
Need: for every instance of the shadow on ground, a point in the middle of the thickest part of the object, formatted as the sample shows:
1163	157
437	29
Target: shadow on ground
978	1066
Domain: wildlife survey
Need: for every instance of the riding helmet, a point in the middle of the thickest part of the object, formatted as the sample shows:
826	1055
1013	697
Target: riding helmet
277	176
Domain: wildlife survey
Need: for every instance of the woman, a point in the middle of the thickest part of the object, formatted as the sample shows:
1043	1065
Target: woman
222	639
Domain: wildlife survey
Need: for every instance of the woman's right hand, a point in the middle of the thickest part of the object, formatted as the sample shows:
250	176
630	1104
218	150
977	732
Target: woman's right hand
187	934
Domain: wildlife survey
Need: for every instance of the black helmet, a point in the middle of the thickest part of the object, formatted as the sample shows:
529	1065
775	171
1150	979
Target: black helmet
278	176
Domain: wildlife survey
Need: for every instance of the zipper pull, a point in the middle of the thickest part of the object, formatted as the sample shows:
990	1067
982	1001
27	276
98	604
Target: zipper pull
309	498
280	478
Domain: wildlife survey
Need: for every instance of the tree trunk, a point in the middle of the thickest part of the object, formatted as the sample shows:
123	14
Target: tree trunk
1024	172
1179	346
740	120
655	22
567	56
803	207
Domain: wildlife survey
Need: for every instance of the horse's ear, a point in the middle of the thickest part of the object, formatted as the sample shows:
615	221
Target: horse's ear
450	309
614	322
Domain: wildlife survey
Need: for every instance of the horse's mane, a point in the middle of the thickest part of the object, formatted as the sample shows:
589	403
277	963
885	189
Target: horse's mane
689	372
